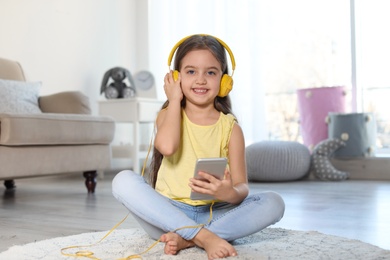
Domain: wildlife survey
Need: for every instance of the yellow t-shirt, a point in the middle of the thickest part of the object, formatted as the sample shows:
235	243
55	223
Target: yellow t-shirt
197	141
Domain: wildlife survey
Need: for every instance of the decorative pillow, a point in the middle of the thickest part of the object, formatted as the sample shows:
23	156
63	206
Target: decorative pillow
277	161
322	168
19	97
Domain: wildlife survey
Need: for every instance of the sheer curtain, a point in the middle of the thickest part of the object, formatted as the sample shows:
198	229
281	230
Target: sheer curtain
237	24
372	65
279	46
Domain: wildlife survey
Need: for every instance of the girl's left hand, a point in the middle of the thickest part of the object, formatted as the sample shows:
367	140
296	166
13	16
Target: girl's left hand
219	189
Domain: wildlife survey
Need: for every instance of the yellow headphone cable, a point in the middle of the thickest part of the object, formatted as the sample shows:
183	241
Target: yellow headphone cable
89	254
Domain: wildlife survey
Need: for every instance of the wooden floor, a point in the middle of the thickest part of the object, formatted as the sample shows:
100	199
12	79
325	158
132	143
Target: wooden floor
49	207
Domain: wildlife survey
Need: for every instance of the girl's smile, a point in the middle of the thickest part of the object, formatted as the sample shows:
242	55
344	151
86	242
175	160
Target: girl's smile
200	90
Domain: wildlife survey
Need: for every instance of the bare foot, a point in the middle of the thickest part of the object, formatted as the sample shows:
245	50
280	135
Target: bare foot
215	246
174	243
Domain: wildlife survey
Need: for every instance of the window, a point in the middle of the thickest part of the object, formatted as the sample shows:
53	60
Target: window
372	64
309	46
281	46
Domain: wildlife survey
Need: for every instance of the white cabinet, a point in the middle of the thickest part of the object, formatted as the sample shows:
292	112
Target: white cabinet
135	111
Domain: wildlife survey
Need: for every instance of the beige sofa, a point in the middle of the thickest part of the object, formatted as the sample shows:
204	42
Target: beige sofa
61	136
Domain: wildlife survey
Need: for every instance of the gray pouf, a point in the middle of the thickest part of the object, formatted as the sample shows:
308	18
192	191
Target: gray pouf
277	161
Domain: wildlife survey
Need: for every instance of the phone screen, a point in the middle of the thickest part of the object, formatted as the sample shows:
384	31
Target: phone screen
213	166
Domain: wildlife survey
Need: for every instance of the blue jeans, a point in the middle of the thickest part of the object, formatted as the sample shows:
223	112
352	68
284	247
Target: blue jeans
158	214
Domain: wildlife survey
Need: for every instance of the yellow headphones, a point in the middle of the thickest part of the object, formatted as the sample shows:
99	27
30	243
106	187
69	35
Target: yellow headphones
226	81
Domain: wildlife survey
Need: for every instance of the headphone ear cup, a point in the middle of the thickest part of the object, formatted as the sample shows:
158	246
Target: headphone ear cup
226	85
175	75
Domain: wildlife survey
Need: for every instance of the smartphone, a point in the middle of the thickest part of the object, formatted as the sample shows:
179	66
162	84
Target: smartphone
213	166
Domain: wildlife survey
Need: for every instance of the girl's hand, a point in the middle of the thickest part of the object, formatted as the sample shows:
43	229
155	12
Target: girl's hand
172	88
219	189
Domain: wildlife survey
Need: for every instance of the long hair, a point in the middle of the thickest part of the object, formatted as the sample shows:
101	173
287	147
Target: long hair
222	104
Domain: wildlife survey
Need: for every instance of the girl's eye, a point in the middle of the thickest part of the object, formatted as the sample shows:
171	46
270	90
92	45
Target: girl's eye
191	72
211	73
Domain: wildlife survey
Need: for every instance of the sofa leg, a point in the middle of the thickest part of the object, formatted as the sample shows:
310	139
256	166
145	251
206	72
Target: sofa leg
90	180
9	184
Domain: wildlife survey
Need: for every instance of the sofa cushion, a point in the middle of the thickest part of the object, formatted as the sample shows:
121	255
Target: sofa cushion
55	129
19	96
67	102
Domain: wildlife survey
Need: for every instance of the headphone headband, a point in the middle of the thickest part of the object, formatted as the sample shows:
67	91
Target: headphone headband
170	57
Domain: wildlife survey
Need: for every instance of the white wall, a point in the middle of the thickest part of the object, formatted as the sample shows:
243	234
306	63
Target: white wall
70	44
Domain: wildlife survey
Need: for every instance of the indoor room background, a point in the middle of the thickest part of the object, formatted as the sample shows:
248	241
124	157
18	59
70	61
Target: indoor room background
280	46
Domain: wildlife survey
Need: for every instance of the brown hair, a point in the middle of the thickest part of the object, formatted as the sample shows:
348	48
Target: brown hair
222	104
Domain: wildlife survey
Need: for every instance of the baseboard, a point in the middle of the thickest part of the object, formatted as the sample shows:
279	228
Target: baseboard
369	168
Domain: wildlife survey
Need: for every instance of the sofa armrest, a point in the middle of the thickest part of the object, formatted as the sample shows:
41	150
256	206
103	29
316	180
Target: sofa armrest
55	129
70	102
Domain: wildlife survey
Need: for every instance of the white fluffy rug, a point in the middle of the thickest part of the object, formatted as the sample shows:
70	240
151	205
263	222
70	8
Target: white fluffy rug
271	243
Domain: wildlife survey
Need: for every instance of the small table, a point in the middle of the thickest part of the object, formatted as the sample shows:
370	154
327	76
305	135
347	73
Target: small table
135	111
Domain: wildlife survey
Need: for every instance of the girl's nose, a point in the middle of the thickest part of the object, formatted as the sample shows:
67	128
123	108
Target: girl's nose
201	79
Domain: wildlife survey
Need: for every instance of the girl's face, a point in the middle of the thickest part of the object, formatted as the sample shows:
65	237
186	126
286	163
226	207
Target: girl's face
200	76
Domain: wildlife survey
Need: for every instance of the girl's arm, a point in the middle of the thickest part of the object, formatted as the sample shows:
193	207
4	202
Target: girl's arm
169	120
237	163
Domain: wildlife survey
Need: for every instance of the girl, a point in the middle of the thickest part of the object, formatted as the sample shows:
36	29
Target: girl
197	122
